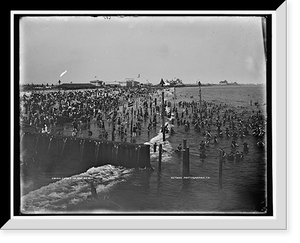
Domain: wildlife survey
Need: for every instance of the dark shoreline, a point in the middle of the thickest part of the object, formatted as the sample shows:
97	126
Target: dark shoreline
146	86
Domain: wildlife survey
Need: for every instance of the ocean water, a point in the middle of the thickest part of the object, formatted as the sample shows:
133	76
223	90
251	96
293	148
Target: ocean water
145	191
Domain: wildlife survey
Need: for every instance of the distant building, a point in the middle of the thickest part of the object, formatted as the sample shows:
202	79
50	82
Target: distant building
97	83
112	83
123	83
223	82
76	86
130	82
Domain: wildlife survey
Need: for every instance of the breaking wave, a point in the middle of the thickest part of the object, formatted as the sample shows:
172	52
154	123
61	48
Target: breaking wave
72	190
166	146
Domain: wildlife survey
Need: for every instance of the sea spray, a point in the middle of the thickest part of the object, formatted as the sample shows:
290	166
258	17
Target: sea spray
72	190
166	146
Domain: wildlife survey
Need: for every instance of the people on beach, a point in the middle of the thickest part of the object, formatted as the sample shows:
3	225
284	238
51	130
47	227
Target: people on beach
130	113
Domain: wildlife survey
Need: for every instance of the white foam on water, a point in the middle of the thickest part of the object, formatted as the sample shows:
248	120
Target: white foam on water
166	146
168	109
73	190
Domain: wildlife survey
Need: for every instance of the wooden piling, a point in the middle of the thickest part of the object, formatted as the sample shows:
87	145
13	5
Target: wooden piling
82	143
113	133
97	144
87	152
184	144
63	147
200	101
130	156
185	162
116	152
55	148
125	155
146	157
163	114
99	159
110	158
104	156
220	170
28	142
36	142
159	157
49	146
154	147
138	157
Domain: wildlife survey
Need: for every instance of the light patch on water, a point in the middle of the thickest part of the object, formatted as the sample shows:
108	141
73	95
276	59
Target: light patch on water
73	190
166	146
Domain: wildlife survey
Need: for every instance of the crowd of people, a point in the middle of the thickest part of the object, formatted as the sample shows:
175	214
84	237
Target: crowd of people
220	121
48	111
126	113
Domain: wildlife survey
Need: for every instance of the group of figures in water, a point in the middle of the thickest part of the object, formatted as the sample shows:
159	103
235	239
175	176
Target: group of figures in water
125	114
218	122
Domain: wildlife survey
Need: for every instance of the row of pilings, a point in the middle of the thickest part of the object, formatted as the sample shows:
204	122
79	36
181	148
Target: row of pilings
81	153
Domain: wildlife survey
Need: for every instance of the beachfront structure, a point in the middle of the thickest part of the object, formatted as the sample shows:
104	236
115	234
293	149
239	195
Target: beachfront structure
123	83
112	83
76	86
97	83
223	82
130	82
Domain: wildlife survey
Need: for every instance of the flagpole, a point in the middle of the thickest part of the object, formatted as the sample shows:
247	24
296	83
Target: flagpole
163	110
174	96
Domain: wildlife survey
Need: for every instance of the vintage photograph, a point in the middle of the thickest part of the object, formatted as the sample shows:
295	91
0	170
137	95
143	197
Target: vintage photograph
144	114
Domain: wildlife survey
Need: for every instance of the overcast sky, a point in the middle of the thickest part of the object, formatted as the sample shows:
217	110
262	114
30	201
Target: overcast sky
209	49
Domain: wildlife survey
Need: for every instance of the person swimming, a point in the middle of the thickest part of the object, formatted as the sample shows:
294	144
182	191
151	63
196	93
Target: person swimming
223	153
234	144
239	156
203	155
246	147
202	145
216	139
172	131
74	133
260	144
231	156
179	148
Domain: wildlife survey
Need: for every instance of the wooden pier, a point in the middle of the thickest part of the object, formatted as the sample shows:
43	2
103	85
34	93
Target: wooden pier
49	151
